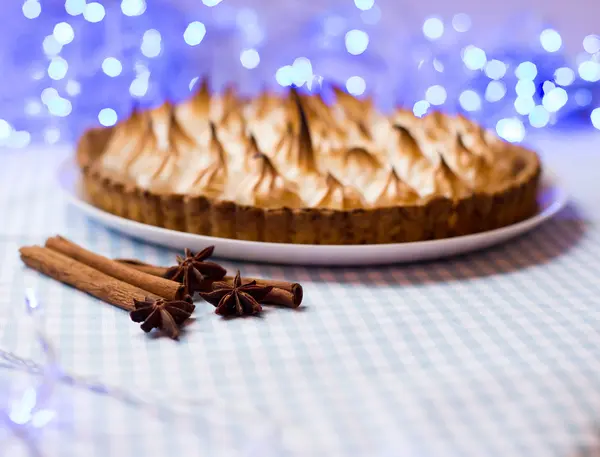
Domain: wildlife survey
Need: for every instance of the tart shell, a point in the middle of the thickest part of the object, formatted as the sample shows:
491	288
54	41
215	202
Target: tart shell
433	219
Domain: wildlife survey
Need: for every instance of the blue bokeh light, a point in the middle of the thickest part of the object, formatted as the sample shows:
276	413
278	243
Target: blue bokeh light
94	12
525	88
591	44
151	43
470	100
285	75
112	67
211	2
364	5
524	105
551	40
356	85
433	28
31	9
50	46
495	69
133	7
526	71
495	91
436	95
250	58
511	129
595	118
420	108
589	71
75	7
461	22
555	99
57	69
107	117
63	33
194	33
357	41
474	57
564	76
73	88
539	117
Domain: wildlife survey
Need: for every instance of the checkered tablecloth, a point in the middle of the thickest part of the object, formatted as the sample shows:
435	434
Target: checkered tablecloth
492	354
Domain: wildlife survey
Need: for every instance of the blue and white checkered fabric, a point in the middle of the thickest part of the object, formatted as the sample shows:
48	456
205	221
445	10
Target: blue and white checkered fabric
492	354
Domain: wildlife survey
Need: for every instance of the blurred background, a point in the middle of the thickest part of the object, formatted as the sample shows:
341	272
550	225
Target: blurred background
515	65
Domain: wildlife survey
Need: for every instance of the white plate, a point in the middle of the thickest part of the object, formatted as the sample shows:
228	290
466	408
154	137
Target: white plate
552	199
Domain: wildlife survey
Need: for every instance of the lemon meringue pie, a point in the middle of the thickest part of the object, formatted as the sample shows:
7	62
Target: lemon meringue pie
294	169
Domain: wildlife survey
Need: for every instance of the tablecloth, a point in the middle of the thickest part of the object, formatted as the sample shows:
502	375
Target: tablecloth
496	353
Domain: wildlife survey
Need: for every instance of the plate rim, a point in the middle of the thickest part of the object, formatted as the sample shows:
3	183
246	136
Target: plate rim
550	182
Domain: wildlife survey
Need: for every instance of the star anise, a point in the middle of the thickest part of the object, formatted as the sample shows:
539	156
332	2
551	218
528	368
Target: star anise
236	299
166	315
193	272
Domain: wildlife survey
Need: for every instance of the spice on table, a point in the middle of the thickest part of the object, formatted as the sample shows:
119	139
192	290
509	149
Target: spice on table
236	299
194	272
284	293
162	287
165	315
83	277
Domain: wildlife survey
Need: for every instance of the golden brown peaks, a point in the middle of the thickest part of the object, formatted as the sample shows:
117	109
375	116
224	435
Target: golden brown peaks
395	191
216	148
360	160
306	155
448	183
167	130
200	102
265	187
406	139
353	107
337	196
251	149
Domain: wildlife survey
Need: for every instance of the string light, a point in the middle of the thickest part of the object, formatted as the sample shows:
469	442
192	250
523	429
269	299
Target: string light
133	7
461	22
551	40
112	67
474	57
194	33
591	44
364	5
356	41
107	117
63	33
356	85
595	118
31	9
94	12
433	28
250	58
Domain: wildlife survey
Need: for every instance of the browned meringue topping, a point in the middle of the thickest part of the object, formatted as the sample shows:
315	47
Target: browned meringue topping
211	180
395	191
266	188
214	146
359	166
354	108
158	163
337	196
448	183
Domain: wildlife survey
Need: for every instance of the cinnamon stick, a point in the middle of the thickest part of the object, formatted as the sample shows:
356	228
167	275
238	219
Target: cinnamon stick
284	293
169	290
145	267
83	277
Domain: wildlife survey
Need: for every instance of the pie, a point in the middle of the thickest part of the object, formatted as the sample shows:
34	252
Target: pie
306	168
